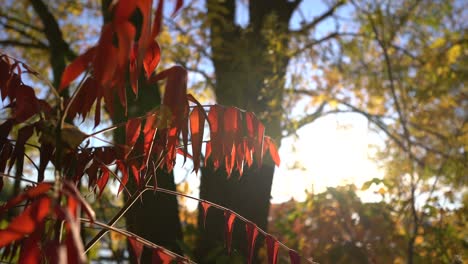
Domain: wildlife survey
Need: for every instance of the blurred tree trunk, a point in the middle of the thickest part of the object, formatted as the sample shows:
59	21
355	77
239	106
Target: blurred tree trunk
250	67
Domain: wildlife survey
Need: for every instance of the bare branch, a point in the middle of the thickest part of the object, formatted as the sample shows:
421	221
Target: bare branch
313	43
7	42
312	24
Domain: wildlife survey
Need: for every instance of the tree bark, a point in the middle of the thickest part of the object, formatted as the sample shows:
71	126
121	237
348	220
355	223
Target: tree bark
249	76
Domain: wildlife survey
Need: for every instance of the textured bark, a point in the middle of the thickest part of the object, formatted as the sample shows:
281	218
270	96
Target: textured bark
243	64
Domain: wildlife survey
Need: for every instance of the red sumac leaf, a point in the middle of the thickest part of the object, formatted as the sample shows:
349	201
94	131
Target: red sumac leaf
30	251
272	249
205	207
197	123
77	67
31	193
158	15
25	223
270	145
152	58
122	168
102	181
215	120
27	104
132	130
137	248
252	233
161	257
5	128
294	257
229	218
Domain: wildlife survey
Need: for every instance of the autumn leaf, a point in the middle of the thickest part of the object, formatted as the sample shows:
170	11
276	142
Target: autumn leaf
252	233
152	58
137	248
132	131
229	218
161	257
197	126
294	257
269	145
205	207
272	249
25	223
77	67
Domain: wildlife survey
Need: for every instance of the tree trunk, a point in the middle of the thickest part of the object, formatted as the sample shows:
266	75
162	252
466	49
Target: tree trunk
250	74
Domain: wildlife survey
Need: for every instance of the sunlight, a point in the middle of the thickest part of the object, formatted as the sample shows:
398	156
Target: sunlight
332	151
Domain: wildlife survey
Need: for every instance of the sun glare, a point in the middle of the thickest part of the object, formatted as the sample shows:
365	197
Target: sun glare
330	152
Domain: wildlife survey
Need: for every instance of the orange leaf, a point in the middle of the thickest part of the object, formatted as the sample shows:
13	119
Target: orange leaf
76	67
229	218
152	58
29	194
197	123
26	222
271	146
205	207
215	119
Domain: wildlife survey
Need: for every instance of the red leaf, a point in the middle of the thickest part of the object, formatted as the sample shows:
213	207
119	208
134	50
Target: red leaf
175	94
137	248
152	58
30	251
26	222
149	133
157	24
252	233
270	145
124	180
105	62
161	257
102	181
294	257
178	6
197	125
205	207
27	104
29	194
215	119
229	218
132	130
272	249
77	67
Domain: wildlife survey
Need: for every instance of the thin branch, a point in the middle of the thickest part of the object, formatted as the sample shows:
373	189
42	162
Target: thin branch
215	205
314	42
19	21
17	43
132	235
312	24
